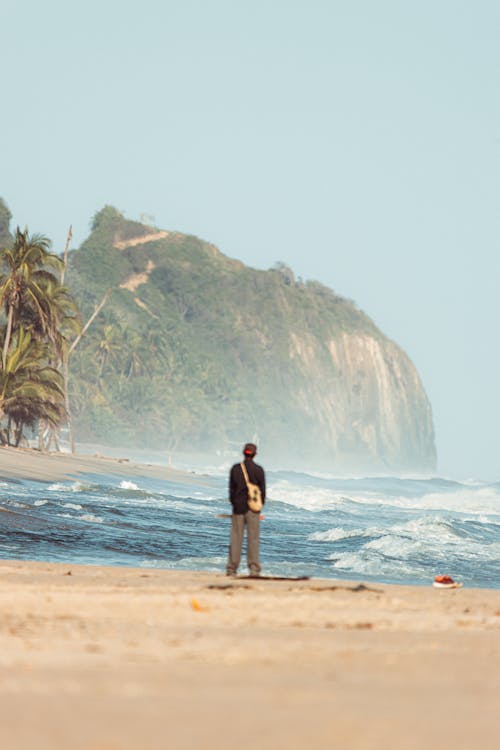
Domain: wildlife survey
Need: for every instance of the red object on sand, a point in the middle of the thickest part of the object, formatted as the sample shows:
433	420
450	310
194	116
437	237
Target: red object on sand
444	579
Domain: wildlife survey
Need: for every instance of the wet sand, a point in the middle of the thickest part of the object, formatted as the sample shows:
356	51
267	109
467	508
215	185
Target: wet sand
29	464
98	658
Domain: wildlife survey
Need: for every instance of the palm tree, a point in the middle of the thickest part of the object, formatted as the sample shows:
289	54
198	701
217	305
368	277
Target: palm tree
36	302
23	286
30	389
61	320
110	346
135	363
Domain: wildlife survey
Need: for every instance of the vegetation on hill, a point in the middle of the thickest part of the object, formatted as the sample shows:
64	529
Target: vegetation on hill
191	350
186	359
195	351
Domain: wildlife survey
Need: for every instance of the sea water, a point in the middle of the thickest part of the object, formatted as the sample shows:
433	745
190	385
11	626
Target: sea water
387	529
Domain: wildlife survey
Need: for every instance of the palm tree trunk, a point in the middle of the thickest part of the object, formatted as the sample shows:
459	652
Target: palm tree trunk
8	334
66	402
68	239
41	446
90	321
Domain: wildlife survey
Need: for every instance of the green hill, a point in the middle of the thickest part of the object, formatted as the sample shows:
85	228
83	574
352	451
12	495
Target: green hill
5	217
196	351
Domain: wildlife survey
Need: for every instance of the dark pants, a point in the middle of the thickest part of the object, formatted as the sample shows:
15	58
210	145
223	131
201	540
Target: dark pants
238	523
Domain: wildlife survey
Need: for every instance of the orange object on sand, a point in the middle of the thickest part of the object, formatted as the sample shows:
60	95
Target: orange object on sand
195	604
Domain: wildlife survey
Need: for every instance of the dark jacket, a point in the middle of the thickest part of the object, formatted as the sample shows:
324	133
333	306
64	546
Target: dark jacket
238	494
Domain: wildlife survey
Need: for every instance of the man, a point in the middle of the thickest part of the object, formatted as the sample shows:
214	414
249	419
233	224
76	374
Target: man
242	516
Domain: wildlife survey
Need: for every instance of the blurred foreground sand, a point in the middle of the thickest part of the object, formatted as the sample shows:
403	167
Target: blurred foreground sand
96	658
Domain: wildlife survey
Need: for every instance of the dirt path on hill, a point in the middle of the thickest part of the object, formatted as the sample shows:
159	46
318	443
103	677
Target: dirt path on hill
138	278
152	237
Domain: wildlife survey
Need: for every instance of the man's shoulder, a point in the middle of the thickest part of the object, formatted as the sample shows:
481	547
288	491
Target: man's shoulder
252	466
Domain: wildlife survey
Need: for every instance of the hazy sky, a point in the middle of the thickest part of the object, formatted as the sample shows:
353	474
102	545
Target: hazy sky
357	141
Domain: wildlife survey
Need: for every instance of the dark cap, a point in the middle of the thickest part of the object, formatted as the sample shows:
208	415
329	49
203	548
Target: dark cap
250	449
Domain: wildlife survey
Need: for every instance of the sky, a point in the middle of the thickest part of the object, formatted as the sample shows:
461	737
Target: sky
357	142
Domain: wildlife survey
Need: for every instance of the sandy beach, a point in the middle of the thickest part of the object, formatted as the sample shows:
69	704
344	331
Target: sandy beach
118	658
29	464
96	658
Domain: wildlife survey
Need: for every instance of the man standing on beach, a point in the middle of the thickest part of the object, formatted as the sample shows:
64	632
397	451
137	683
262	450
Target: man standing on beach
242	516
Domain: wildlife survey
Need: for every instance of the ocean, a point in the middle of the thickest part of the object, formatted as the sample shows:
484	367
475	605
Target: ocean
385	529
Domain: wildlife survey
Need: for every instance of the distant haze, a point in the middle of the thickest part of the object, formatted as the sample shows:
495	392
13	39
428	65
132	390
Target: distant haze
357	142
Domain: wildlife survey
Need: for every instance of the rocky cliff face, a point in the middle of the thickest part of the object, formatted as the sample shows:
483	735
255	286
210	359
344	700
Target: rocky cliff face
197	351
368	403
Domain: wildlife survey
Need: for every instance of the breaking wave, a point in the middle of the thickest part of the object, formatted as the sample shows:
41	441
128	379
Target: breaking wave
394	529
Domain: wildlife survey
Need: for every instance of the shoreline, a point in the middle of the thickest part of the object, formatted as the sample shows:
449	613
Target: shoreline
264	579
116	658
32	465
28	464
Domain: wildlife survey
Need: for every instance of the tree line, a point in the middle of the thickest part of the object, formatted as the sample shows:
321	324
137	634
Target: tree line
41	320
40	329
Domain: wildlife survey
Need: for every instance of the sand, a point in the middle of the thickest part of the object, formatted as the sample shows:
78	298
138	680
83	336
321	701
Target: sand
29	464
97	658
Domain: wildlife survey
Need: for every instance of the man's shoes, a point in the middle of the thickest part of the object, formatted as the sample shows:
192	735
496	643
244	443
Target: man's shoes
254	574
231	573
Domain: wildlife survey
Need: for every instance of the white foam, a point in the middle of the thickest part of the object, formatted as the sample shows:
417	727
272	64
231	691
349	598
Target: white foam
126	485
476	500
426	528
397	547
40	502
366	564
75	487
404	549
306	498
73	506
90	518
484	520
337	533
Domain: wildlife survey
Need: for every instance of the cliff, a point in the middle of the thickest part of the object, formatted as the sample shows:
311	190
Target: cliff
195	351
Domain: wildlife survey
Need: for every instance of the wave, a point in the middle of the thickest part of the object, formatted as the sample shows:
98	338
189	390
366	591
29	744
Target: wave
383	528
430	531
73	487
337	533
125	485
477	499
422	546
87	517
